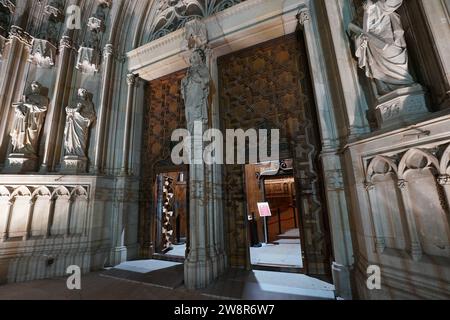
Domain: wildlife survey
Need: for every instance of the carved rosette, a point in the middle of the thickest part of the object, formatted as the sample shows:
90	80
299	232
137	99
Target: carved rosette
42	54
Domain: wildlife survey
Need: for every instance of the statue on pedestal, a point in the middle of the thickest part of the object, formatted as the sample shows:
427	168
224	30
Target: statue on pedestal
381	46
195	90
28	121
78	120
382	52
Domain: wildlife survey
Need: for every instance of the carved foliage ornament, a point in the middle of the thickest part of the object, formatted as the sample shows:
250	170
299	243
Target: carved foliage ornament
172	15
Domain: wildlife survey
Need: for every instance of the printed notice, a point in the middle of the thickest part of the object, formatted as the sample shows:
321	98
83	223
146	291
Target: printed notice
264	209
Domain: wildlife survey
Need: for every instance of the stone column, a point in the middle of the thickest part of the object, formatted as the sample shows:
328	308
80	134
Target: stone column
317	67
5	206
108	53
355	105
19	44
375	210
438	22
415	246
55	114
131	81
216	185
118	221
339	225
330	133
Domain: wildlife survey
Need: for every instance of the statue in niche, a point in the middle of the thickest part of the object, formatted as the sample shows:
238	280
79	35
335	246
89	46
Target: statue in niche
78	120
381	46
195	90
29	119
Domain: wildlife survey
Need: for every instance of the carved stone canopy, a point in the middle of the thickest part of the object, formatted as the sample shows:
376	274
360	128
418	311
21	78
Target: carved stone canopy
88	60
43	53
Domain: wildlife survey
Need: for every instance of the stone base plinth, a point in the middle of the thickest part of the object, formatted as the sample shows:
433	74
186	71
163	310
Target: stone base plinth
341	279
74	165
198	273
20	163
401	106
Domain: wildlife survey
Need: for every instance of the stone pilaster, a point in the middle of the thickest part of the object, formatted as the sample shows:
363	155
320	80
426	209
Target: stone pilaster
131	82
108	54
55	115
415	246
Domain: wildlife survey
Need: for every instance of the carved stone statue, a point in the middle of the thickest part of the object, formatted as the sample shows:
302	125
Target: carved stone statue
78	120
381	46
195	90
28	121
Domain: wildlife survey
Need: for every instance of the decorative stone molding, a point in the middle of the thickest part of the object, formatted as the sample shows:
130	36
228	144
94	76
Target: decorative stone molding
42	53
88	60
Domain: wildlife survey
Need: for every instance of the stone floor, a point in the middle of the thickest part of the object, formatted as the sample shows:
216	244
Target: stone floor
235	284
284	253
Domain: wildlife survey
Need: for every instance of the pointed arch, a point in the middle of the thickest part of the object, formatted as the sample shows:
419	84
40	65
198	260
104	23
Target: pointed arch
417	159
375	162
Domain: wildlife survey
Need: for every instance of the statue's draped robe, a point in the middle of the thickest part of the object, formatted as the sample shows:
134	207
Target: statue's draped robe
388	65
78	121
27	127
195	91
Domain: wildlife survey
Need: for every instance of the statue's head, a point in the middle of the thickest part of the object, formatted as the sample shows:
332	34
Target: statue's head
198	57
82	93
35	87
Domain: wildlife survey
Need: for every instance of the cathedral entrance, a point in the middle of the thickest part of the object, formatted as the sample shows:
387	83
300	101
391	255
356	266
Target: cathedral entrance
273	220
268	86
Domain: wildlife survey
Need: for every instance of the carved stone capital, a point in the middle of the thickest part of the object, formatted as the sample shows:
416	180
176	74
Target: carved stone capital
402	184
131	79
65	43
303	16
108	50
21	35
369	186
444	180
